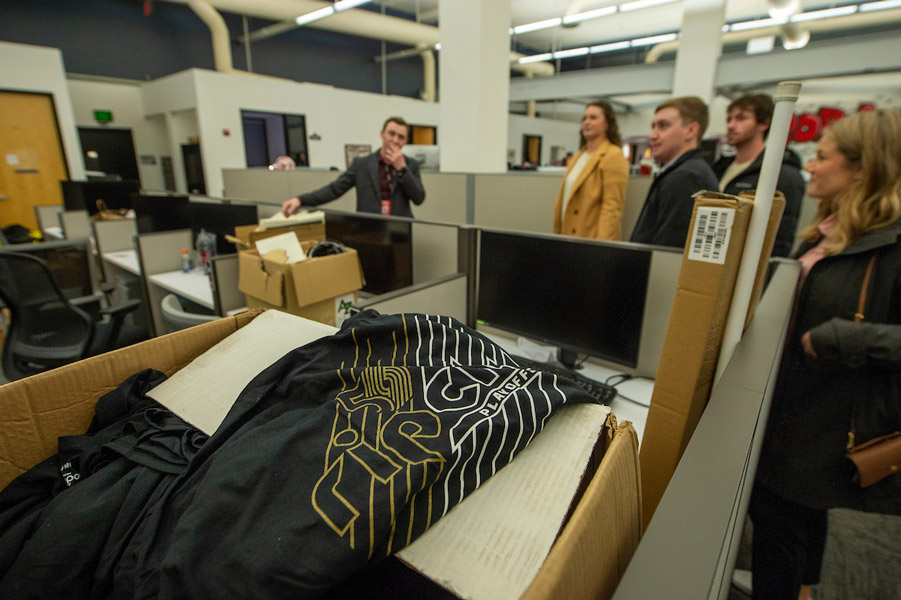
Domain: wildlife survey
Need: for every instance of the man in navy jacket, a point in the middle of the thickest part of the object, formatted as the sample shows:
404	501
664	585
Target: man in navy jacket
676	132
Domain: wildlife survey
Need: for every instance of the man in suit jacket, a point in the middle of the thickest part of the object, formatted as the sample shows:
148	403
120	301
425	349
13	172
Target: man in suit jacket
676	133
386	180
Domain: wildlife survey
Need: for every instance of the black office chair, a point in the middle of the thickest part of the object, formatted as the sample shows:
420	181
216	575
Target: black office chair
46	330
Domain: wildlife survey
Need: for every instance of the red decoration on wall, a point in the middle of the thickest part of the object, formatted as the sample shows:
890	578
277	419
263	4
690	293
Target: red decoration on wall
808	127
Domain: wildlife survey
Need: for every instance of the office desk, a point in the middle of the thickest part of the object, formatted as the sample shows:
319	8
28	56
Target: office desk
126	260
193	285
637	389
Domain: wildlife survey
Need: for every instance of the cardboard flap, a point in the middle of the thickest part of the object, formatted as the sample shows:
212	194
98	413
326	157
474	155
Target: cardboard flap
254	280
326	277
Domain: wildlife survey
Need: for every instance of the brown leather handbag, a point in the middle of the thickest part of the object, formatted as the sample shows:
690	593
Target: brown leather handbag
880	457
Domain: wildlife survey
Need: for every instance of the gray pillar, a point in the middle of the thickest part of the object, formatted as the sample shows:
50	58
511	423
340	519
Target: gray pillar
699	48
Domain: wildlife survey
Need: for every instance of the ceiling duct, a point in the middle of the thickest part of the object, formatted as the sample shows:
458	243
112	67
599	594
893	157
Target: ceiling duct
361	23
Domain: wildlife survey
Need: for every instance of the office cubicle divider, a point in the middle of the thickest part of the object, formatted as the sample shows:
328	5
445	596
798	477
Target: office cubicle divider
47	216
75	224
520	201
447	296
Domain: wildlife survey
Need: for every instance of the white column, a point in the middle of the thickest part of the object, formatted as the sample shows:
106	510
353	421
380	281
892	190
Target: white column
699	48
474	85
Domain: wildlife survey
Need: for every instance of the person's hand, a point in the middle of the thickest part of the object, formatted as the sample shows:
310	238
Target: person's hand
808	345
290	206
395	158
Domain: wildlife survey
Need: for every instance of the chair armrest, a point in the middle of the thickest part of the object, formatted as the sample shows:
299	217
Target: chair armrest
119	311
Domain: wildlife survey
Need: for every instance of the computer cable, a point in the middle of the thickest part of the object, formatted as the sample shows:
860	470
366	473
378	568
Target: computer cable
326	248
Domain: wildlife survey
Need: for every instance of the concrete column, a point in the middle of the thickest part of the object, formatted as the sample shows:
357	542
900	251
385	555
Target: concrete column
474	85
699	48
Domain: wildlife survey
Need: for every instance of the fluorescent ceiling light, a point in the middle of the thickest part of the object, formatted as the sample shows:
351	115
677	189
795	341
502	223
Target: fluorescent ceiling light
315	15
547	23
759	23
840	11
345	4
535	58
884	5
570	53
654	39
609	47
639	4
590	14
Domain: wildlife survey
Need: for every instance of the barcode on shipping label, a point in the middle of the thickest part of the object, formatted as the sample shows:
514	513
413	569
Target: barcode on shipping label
710	238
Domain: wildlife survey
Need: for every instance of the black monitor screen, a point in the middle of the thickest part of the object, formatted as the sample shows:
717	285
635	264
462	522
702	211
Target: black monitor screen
580	295
83	195
385	247
221	220
161	213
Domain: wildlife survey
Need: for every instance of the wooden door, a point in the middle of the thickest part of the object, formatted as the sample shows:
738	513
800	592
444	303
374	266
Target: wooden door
31	157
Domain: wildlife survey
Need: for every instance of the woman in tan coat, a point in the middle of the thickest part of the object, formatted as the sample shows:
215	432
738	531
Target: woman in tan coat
591	196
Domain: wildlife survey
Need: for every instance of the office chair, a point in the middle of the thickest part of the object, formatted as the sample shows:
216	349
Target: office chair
46	329
178	318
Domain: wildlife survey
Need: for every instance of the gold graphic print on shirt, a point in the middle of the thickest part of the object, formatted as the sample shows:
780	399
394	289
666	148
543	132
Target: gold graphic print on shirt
377	440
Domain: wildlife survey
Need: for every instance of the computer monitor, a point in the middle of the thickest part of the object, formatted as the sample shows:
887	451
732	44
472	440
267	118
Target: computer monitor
384	244
161	212
581	295
428	156
83	195
221	220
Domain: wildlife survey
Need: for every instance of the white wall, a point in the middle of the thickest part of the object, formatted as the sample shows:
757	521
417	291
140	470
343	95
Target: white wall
127	105
35	69
552	132
337	116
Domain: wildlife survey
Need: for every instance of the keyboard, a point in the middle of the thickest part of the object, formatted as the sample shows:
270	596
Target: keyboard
602	392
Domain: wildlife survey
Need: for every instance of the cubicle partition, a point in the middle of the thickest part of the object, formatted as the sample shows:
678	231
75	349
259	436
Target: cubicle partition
75	224
690	547
47	216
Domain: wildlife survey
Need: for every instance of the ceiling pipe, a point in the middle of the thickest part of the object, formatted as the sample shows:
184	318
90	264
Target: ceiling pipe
222	51
428	75
361	23
834	24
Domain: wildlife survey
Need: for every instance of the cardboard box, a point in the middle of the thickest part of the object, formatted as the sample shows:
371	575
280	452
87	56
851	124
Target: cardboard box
248	234
585	562
710	263
316	288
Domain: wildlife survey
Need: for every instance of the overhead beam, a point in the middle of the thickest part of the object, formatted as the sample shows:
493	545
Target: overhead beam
849	56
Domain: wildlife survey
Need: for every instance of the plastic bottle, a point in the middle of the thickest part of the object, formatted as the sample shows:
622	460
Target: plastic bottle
206	248
185	260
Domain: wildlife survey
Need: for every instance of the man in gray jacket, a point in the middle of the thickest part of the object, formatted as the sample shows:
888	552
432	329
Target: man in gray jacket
386	180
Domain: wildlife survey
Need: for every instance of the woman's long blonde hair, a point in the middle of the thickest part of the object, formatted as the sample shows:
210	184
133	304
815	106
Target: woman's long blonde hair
871	140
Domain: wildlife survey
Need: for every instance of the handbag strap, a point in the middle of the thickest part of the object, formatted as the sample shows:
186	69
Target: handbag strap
864	289
858	317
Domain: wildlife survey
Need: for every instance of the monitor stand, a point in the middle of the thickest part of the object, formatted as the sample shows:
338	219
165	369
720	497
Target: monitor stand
568	358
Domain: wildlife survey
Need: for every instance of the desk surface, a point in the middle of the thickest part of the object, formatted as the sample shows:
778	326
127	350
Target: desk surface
638	389
193	285
124	259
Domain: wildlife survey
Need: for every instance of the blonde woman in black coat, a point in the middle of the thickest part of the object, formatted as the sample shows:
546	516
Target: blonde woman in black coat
834	371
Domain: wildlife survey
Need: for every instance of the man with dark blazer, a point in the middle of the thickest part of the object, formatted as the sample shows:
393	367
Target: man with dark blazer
386	180
676	132
747	125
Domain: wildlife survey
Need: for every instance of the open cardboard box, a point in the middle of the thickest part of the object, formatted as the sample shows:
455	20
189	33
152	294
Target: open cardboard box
586	561
249	234
316	288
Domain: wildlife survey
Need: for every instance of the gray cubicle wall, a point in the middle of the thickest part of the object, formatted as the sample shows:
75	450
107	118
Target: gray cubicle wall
524	201
689	548
445	193
446	296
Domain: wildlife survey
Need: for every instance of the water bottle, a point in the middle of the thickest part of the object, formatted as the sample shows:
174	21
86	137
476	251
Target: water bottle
206	248
185	260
